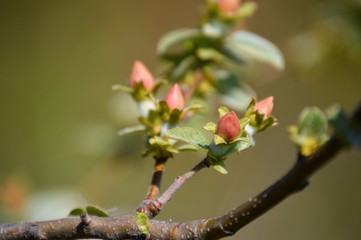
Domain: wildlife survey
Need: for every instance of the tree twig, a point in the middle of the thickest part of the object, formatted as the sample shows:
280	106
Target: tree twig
125	227
152	207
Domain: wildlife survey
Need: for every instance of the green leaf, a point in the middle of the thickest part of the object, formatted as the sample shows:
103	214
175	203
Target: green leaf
142	222
222	151
176	37
233	92
344	127
252	46
96	211
127	130
122	88
217	164
311	131
247	9
189	135
312	123
223	111
187	147
183	67
211	127
218	139
209	54
77	212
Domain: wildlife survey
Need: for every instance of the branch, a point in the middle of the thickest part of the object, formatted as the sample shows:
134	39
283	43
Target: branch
152	208
125	227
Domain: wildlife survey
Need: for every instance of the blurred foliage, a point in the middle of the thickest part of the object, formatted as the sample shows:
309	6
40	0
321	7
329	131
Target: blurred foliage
59	119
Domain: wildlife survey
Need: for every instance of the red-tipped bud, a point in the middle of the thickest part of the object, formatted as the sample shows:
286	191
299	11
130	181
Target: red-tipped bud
175	98
140	73
228	6
265	106
228	127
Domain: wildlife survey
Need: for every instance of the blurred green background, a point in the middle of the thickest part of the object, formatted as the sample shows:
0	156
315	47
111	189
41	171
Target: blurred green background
59	148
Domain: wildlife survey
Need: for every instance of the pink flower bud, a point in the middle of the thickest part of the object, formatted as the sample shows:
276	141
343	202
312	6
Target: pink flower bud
265	106
175	98
140	73
228	127
228	6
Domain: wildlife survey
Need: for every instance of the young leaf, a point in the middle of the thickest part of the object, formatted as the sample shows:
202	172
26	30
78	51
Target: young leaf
77	212
189	135
222	151
311	131
142	222
132	129
253	46
174	38
217	164
211	127
348	130
96	211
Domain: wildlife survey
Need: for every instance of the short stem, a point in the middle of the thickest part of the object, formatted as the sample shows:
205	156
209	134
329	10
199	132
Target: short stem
154	188
179	181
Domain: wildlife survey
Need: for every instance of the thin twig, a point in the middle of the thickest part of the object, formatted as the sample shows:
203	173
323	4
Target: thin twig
151	207
179	182
154	188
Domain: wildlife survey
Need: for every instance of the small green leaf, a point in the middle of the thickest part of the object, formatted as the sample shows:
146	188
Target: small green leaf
211	127
233	93
247	9
218	139
142	222
187	147
312	122
222	151
223	111
183	67
350	131
209	54
175	38
122	88
127	130
252	46
77	212
189	135
220	168
311	131
218	165
96	211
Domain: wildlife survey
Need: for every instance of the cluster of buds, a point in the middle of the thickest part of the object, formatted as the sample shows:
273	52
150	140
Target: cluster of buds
230	128
156	115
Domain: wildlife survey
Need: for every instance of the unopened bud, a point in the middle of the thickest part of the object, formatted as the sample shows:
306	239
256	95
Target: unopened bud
228	127
140	73
228	6
175	98
265	106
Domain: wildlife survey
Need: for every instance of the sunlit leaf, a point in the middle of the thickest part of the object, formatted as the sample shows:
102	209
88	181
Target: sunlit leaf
254	47
188	135
77	212
96	211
